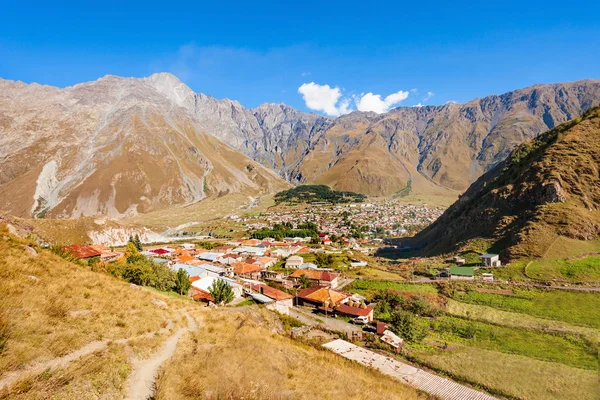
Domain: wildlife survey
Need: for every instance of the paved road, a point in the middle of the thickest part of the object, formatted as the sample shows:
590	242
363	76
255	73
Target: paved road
436	385
308	318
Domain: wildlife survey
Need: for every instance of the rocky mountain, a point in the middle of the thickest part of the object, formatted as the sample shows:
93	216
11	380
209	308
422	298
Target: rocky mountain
121	146
115	146
546	188
438	149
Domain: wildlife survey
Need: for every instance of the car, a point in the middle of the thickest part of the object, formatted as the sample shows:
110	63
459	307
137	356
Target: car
362	320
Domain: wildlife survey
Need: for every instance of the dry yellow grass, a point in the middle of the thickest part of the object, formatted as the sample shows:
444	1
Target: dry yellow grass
234	355
51	307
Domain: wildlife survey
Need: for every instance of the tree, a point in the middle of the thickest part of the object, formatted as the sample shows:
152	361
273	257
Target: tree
221	291
132	255
405	326
304	281
164	277
138	243
182	282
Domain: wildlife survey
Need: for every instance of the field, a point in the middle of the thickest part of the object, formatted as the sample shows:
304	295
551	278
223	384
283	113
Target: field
238	353
371	287
577	308
512	342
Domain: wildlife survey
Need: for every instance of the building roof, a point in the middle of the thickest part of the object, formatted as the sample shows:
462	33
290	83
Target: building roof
488	256
353	311
271	292
321	294
241	267
462	271
159	251
82	251
315	274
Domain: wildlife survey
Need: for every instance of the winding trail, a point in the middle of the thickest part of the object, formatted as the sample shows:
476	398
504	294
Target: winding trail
140	385
61	362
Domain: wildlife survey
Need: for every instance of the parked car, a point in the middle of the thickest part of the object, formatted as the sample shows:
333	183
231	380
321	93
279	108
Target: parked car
362	320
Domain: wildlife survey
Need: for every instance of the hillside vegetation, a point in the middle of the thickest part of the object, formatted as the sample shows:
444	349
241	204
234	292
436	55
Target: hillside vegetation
239	354
68	332
547	188
318	193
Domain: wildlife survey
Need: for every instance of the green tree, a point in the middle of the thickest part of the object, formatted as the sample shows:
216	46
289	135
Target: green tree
138	243
140	273
164	277
221	291
304	281
182	282
132	255
406	326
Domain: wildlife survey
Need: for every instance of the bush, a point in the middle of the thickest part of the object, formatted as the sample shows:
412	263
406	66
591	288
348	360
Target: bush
405	325
221	291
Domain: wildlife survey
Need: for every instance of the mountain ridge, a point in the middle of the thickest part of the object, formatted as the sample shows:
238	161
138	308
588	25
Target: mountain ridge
548	187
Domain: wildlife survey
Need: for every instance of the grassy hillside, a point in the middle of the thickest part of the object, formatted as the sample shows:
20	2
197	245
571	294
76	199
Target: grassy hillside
51	309
546	189
239	354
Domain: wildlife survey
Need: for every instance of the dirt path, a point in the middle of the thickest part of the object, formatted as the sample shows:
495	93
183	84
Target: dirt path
140	385
61	362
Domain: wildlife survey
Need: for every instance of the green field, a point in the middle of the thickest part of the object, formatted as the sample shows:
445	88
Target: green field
370	287
578	308
585	269
513	342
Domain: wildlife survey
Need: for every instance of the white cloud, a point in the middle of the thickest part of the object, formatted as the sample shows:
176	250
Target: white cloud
418	105
305	74
429	95
331	101
324	98
373	102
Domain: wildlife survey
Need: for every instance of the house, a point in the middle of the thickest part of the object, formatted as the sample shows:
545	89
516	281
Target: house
162	251
320	296
205	283
294	262
211	256
324	278
229	259
487	277
274	294
491	260
352	309
82	251
200	295
193	271
280	252
245	270
106	254
250	251
308	266
187	246
266	262
462	274
459	260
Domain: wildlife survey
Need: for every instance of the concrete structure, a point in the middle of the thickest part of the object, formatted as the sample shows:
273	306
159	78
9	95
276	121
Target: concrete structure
491	260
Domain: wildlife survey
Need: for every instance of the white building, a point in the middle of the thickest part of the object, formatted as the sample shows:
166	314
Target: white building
491	260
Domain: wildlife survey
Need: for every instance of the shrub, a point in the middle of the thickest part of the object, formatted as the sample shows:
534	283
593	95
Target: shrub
405	325
221	291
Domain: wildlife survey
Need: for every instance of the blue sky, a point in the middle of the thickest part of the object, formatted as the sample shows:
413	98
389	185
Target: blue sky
258	52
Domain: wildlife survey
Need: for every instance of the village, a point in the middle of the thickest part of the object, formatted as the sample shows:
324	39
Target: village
389	218
294	276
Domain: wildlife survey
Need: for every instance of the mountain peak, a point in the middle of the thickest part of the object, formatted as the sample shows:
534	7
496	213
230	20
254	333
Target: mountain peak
170	86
